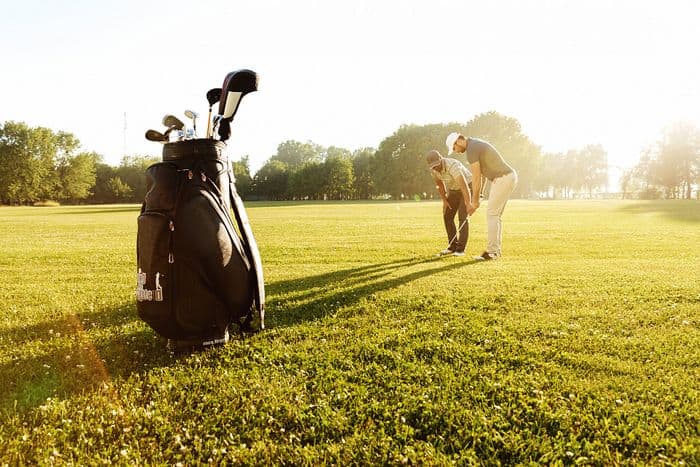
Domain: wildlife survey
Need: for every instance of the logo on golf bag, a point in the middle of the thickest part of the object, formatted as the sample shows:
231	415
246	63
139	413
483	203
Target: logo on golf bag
145	295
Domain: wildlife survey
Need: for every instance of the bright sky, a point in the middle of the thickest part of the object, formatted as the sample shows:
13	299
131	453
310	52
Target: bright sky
349	73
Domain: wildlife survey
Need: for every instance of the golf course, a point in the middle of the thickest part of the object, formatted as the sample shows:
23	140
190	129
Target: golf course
579	346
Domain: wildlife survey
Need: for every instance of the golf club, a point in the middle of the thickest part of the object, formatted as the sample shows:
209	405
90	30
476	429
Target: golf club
174	122
213	96
459	230
193	115
153	135
457	233
236	85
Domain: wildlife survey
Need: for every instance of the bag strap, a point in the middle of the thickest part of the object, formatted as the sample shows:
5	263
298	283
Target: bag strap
250	246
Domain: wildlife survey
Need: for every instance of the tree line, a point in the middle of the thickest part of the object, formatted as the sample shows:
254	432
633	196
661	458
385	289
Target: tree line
669	168
39	164
397	168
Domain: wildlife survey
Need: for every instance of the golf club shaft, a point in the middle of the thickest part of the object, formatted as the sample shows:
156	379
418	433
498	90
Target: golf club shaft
458	231
208	135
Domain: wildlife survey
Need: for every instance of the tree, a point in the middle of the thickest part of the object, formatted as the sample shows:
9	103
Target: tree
28	159
362	172
338	178
295	154
678	160
118	190
271	180
307	182
244	182
591	168
506	135
672	164
398	167
101	191
132	172
76	176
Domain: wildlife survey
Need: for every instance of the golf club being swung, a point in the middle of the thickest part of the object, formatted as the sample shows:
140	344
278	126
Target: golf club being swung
458	231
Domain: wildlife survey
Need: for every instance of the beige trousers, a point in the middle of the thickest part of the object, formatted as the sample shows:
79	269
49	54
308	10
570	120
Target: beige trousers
501	189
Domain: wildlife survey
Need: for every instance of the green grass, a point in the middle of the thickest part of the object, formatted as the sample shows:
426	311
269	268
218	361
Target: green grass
580	346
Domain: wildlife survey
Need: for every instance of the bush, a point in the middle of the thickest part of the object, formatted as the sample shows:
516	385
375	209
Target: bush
47	203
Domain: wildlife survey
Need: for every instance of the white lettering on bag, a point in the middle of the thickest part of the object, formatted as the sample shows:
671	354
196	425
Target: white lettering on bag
146	295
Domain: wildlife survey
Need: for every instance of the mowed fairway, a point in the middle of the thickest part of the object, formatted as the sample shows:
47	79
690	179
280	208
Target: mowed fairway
580	345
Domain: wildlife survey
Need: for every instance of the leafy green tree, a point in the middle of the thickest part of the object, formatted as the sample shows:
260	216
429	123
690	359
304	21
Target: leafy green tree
334	151
398	167
339	178
76	176
307	182
362	172
271	180
118	190
132	172
241	171
294	154
103	174
28	158
506	134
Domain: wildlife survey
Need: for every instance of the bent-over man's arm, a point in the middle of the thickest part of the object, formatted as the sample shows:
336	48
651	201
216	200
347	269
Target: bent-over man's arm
476	183
466	193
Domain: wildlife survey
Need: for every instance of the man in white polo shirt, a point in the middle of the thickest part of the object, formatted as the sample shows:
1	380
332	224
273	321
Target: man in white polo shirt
452	180
485	160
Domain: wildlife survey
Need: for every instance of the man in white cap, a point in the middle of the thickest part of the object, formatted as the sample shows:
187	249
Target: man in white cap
485	160
452	180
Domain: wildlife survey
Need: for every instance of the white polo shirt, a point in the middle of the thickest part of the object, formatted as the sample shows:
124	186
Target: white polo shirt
449	175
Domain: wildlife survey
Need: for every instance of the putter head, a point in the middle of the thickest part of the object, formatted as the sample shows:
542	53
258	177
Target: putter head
172	121
236	85
153	135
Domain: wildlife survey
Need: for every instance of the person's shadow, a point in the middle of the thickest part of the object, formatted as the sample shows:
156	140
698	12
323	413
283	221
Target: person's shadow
82	351
310	298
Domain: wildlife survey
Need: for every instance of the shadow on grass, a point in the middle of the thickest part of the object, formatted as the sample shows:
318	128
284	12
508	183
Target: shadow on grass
106	209
298	300
76	353
680	210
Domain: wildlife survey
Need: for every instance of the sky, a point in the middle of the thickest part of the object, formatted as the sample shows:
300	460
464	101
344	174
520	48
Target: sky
350	73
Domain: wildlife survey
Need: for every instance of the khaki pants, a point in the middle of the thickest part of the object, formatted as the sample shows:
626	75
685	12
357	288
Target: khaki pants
501	189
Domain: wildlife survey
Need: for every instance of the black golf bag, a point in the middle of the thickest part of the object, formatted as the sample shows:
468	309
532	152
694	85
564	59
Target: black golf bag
199	269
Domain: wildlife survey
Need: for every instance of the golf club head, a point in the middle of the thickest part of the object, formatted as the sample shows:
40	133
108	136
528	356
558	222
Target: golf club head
172	121
192	115
213	96
153	135
236	85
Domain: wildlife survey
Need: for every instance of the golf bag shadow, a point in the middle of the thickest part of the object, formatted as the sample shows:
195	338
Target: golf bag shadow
199	269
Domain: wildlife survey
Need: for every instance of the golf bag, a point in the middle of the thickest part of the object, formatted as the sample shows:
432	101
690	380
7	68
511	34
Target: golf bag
199	269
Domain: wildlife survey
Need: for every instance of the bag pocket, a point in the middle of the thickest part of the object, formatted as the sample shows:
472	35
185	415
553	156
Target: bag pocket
154	278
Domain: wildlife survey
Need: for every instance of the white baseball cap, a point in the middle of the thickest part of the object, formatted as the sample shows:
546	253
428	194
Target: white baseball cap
450	142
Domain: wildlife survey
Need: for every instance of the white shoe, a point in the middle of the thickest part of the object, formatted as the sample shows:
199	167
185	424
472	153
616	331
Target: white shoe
445	252
458	253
